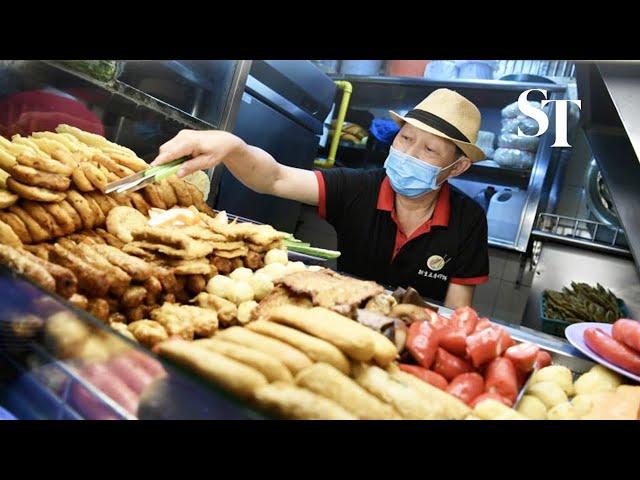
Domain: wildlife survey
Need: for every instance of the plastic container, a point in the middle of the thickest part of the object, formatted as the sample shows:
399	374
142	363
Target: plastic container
441	70
406	68
554	326
477	69
361	67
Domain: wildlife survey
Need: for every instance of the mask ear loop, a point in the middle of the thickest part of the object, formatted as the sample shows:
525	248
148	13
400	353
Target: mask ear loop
446	168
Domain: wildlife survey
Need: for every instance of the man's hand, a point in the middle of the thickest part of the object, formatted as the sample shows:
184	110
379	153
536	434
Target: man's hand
208	149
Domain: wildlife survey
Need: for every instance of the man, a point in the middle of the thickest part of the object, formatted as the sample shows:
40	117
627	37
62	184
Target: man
402	225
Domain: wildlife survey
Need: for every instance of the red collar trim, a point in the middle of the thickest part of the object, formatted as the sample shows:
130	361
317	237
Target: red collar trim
441	212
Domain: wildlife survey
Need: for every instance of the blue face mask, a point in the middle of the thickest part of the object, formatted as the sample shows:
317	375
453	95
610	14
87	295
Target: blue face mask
411	177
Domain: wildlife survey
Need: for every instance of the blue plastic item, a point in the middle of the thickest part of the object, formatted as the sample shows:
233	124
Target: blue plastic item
384	130
5	415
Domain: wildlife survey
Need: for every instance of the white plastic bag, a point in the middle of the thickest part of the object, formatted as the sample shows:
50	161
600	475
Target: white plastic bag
527	125
512	158
512	110
512	140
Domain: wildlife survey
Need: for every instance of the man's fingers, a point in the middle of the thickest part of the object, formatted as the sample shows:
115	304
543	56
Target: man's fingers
201	162
172	150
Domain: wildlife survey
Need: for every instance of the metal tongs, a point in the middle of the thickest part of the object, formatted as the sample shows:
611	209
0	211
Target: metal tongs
145	177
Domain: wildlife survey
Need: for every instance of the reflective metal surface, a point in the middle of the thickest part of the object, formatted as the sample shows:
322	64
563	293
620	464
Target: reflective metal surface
610	93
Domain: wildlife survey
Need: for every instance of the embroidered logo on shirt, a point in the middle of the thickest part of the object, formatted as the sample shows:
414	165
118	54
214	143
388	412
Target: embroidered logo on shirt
436	263
435	276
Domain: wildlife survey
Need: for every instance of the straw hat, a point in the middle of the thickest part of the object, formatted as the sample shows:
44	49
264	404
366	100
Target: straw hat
449	115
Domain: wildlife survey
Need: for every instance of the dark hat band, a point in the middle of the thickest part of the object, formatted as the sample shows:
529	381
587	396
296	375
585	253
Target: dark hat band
438	123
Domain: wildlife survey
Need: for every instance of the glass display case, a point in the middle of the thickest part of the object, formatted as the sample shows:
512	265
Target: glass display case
518	191
140	105
58	362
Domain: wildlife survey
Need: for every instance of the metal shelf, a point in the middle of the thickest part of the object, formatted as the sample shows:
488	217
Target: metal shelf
456	83
579	232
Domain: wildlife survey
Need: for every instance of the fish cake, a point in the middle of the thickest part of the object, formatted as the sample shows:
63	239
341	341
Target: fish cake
405	399
272	368
238	378
73	214
98	216
8	236
7	198
181	191
37	233
37	194
61	217
139	203
80	180
35	178
105	202
110	239
151	194
289	401
94	175
329	382
111	165
80	205
134	163
65	157
293	358
40	215
44	165
168	195
349	336
315	348
121	221
17	225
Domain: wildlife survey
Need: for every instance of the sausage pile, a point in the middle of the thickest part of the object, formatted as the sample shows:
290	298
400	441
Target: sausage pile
622	347
470	357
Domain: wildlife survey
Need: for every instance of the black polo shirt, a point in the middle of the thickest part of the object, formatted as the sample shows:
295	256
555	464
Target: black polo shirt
449	247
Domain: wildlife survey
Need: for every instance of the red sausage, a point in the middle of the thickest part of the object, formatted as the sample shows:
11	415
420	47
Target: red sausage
454	340
501	378
628	332
423	343
543	359
466	387
492	396
612	350
437	321
522	356
449	366
135	377
146	362
88	404
100	376
483	323
425	375
465	318
505	341
483	346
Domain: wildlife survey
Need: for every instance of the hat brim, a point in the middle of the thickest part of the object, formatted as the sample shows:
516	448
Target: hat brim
471	151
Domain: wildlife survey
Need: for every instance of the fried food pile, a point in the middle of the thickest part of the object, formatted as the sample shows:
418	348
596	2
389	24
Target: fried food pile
52	184
313	363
